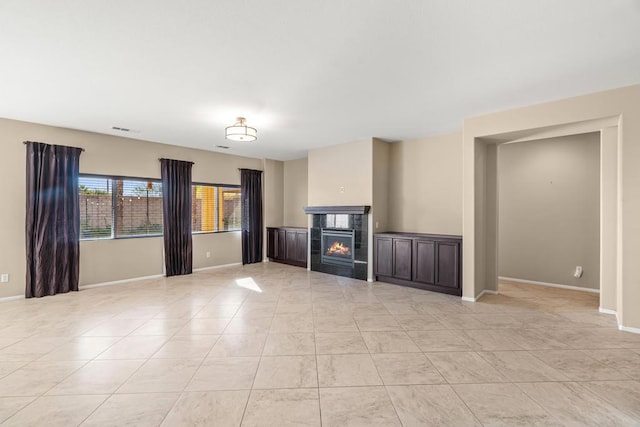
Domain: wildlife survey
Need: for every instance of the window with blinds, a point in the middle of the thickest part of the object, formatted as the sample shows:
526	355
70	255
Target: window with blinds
215	208
114	207
96	212
139	208
119	207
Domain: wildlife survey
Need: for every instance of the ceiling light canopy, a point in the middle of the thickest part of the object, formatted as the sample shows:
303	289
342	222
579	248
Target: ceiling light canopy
239	131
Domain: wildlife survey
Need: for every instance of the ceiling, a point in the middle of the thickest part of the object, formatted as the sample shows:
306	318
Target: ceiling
306	73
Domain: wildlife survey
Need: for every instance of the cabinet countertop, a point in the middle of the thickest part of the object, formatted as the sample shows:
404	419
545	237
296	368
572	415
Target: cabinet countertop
419	235
289	227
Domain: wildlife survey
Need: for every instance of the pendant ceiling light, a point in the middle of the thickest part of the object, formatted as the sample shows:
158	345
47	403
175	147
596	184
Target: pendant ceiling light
239	131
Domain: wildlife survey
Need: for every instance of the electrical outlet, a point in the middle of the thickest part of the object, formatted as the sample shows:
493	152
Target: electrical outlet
578	273
208	254
341	190
4	278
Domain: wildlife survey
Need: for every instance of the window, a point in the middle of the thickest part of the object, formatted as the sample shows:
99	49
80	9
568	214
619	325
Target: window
215	208
114	207
139	208
96	219
119	207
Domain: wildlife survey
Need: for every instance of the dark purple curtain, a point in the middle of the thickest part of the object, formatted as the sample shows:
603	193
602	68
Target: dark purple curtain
251	205
52	220
176	210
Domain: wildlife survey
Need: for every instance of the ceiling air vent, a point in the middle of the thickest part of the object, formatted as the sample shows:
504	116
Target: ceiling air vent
224	147
121	129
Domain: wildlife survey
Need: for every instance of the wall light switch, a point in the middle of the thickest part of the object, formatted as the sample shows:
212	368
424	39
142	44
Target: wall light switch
341	189
4	278
208	254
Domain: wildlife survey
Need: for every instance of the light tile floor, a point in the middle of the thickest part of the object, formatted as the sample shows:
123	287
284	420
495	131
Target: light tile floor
270	344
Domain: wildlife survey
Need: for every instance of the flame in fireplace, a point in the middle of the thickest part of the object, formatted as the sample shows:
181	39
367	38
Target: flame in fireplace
337	248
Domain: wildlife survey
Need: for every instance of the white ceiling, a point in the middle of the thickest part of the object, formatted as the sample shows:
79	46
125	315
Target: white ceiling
306	73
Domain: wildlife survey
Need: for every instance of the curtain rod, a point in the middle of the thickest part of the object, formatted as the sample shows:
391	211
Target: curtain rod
25	143
163	158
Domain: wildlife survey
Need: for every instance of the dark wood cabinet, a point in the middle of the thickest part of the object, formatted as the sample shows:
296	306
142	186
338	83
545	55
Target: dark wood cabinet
281	252
426	261
402	249
287	245
272	242
424	269
447	265
383	256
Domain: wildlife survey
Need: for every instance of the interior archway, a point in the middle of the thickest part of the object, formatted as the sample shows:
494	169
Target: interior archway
482	268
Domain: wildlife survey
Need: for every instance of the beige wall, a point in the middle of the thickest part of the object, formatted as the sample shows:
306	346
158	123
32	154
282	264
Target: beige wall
272	193
425	185
549	199
381	174
341	174
379	216
103	261
619	106
295	192
609	217
273	199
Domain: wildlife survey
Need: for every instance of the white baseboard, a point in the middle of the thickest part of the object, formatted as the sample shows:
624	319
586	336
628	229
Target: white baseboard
620	326
120	282
612	312
628	329
486	291
219	266
96	285
12	298
551	285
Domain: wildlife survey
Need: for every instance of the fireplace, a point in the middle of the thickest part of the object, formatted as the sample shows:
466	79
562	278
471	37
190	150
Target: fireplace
339	240
337	247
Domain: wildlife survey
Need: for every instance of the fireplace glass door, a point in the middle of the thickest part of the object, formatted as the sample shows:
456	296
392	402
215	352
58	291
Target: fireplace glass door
337	247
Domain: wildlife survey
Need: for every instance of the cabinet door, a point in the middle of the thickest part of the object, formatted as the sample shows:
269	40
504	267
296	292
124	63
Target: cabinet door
281	251
272	242
301	247
424	261
447	264
291	245
402	258
383	256
296	246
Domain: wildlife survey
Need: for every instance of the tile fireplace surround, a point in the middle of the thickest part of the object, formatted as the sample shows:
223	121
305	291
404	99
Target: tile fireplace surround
347	225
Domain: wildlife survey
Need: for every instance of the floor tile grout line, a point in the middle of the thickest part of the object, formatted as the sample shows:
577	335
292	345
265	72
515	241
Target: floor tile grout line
255	374
626	377
315	346
107	397
453	389
18	410
43	394
189	381
535	401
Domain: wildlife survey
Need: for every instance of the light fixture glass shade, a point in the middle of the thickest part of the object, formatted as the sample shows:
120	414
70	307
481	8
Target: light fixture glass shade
240	131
